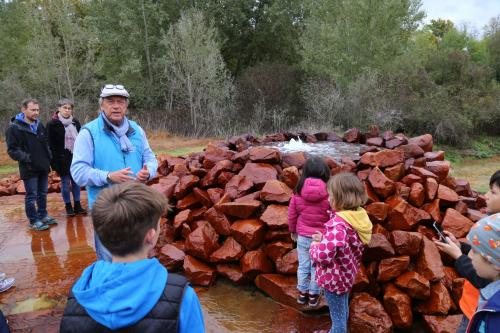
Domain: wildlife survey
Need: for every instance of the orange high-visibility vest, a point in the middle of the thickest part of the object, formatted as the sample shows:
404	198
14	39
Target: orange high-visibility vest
470	298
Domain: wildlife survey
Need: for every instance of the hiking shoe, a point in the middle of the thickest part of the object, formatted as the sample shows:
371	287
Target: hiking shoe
79	209
5	284
49	220
313	300
69	210
302	298
38	226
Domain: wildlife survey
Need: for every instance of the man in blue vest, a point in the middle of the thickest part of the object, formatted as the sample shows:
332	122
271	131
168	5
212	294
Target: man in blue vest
111	149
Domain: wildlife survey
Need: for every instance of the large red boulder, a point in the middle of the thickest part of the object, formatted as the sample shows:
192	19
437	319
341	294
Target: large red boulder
264	155
402	216
382	185
431	188
377	211
254	263
411	151
166	185
414	285
198	273
378	248
202	197
275	216
249	233
423	141
214	154
171	257
439	302
456	223
352	135
383	159
232	272
275	191
277	249
396	172
231	250
391	268
218	220
398	305
443	324
215	194
202	242
185	184
241	209
405	242
296	159
439	168
288	264
446	194
238	186
429	263
182	217
366	314
210	178
259	173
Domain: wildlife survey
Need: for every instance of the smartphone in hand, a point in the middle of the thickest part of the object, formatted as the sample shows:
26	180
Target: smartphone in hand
442	236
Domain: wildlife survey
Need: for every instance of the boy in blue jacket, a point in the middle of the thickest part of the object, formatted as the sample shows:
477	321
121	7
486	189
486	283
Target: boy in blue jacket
132	293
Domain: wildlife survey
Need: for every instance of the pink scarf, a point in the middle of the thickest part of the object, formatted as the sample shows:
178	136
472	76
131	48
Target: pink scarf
70	132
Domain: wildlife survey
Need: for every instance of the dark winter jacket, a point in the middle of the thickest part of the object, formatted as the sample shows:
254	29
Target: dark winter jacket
30	149
61	157
487	319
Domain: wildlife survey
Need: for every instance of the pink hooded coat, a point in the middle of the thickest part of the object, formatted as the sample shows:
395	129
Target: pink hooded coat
309	211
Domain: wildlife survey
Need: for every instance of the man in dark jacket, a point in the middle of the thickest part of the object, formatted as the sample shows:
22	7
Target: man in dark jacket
27	144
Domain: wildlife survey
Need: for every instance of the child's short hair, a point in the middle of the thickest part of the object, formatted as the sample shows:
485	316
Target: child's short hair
123	214
346	191
495	179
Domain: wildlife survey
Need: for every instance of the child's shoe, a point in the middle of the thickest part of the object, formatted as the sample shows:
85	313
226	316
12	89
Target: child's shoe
5	284
69	210
313	300
79	209
302	298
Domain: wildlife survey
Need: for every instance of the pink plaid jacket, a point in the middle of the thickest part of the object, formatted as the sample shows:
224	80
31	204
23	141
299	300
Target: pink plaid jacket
337	257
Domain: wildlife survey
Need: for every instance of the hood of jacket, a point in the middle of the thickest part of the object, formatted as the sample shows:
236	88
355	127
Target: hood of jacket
314	190
20	117
360	221
117	295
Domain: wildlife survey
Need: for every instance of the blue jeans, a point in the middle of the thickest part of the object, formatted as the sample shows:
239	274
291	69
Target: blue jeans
67	182
306	273
36	192
101	252
339	311
462	328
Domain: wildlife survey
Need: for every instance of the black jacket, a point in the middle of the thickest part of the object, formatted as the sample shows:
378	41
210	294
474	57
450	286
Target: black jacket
29	149
61	157
163	318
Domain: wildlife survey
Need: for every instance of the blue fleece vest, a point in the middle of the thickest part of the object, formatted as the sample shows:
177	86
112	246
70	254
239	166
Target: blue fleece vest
108	155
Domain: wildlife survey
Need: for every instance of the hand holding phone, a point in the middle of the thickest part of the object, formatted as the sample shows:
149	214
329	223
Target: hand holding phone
442	236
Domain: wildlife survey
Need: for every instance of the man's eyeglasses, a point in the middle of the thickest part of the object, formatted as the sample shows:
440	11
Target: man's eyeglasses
114	86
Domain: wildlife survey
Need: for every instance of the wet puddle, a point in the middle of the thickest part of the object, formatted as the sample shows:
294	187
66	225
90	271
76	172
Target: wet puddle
46	264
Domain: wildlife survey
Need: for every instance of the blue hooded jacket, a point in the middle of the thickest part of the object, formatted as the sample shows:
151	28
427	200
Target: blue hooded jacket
117	295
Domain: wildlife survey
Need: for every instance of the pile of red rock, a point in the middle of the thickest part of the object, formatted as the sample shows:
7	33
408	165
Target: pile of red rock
12	185
230	219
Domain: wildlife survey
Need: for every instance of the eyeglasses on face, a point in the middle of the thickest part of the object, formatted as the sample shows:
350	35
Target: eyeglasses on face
114	86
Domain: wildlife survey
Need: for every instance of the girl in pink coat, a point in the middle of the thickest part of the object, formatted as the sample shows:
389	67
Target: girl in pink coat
307	213
337	253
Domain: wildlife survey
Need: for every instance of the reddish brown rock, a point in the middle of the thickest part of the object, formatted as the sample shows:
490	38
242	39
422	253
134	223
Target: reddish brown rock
450	274
396	172
414	285
429	263
259	173
434	210
474	215
288	263
406	243
275	191
377	211
189	201
185	184
219	221
198	273
224	177
443	324
409	179
411	151
370	193
231	250
264	155
240	209
398	305
461	207
249	233
210	178
439	168
449	182
180	170
438	303
281	235
251	196
429	233
463	188
238	186
378	248
395	142
232	272
352	135
383	159
214	154
379	229
254	263
362	282
456	223
166	185
422	173
215	194
171	257
202	242
363	174
457	287
417	194
402	216
431	187
391	268
166	163
423	141
277	250
366	314
296	159
434	156
382	185
275	216
241	157
202	197
367	149
181	218
379	142
446	194
290	176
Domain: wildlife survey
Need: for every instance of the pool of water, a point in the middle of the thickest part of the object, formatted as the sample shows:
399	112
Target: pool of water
335	150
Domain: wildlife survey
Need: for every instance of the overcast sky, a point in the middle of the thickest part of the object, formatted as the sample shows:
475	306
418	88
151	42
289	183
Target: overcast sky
476	13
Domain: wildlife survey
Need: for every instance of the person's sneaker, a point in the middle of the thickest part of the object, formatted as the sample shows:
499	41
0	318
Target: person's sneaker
5	284
302	298
69	210
2	276
48	220
313	300
38	226
79	209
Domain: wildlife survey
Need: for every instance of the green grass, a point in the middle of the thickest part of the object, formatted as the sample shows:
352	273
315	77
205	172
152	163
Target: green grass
476	148
6	170
181	151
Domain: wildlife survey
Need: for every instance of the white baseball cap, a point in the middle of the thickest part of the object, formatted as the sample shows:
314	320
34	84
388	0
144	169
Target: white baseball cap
114	90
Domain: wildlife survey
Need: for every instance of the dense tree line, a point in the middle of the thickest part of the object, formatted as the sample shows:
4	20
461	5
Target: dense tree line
219	67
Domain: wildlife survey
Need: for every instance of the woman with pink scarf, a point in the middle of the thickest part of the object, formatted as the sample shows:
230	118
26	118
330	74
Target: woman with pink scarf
62	131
